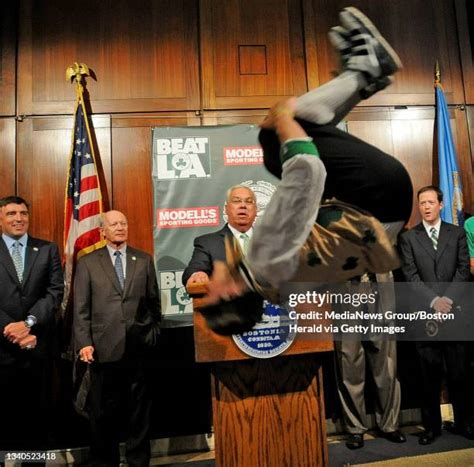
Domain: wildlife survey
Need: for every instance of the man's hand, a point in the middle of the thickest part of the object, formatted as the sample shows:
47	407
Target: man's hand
85	354
29	342
443	305
223	286
282	108
197	277
15	332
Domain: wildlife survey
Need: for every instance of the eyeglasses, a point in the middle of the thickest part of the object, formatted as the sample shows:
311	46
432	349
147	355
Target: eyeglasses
246	201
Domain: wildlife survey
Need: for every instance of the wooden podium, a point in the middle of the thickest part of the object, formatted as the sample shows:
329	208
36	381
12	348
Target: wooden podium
266	412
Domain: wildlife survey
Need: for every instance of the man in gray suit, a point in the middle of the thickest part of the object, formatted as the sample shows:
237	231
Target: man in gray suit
31	291
434	255
116	321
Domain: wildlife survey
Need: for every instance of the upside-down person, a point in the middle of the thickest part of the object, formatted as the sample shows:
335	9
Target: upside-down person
316	161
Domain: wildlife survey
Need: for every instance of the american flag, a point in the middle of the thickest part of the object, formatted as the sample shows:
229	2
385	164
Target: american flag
83	199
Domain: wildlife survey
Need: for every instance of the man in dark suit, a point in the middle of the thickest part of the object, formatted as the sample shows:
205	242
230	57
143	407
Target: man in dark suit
435	253
241	210
116	322
227	317
31	291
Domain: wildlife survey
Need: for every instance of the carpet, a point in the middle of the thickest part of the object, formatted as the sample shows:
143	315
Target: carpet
379	449
460	458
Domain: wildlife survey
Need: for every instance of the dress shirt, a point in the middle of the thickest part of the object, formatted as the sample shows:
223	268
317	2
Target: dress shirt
237	235
428	227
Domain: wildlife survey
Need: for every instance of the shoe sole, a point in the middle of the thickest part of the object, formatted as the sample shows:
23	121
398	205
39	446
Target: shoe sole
367	23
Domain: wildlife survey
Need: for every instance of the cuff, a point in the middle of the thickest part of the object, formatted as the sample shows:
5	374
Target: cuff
432	301
294	147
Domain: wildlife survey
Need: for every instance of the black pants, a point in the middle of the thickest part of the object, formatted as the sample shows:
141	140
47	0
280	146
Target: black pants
357	172
434	358
25	405
119	397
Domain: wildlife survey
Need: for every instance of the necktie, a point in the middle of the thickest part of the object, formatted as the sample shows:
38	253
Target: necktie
434	237
245	242
17	260
119	268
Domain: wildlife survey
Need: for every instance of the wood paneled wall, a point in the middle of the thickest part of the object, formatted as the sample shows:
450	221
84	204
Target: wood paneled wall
207	62
144	54
421	31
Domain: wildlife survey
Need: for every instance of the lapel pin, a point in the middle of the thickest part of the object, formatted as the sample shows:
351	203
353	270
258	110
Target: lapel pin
134	258
35	248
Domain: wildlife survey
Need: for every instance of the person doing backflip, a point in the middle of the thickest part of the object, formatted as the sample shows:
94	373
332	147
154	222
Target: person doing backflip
316	161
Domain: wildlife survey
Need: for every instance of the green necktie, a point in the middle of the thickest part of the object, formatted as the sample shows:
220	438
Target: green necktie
245	242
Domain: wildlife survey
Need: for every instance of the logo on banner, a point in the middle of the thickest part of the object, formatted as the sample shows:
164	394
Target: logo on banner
243	155
179	218
174	298
182	158
272	336
263	192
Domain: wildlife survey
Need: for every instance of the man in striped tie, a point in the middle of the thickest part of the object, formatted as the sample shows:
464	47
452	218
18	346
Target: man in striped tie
434	255
31	291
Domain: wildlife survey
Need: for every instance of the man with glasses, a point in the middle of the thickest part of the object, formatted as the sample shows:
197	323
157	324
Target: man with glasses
241	211
116	324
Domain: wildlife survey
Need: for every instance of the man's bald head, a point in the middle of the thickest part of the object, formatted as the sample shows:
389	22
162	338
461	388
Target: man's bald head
115	228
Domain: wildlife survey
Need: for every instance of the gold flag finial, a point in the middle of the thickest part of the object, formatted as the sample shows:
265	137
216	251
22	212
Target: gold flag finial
437	73
77	71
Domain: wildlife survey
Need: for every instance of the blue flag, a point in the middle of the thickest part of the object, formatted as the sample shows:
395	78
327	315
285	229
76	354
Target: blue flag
449	177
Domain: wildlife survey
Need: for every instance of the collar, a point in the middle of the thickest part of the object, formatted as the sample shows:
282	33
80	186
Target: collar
122	249
9	241
237	233
428	227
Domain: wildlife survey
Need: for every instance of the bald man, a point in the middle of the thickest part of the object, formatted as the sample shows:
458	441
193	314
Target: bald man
116	322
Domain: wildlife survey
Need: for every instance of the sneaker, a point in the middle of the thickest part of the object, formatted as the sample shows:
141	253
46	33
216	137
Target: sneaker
340	39
371	53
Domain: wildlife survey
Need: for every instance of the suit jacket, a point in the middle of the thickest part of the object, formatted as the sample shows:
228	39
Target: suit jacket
40	294
425	266
110	319
226	318
207	249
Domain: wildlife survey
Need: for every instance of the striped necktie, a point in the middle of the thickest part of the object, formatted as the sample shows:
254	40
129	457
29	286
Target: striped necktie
119	268
245	242
434	237
17	260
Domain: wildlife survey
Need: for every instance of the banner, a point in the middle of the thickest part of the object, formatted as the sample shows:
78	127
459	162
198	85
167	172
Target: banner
192	169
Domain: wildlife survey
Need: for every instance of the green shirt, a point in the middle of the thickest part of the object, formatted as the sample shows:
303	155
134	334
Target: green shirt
469	228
